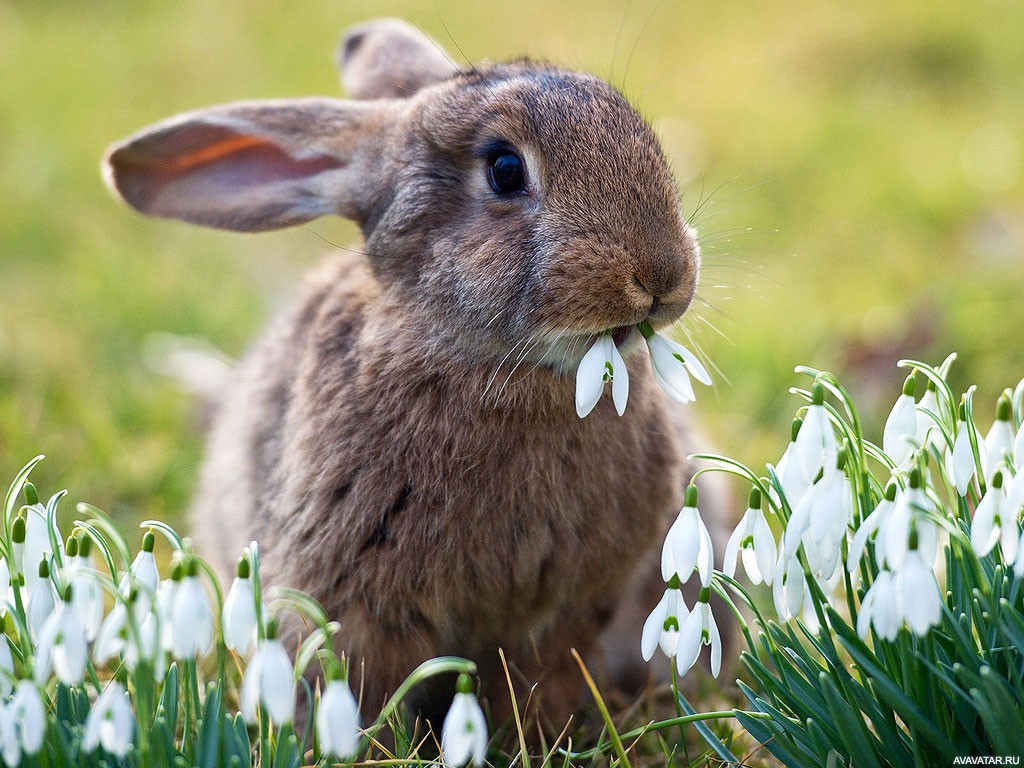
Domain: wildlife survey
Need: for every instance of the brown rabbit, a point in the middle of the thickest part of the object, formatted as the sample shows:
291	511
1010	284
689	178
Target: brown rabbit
403	444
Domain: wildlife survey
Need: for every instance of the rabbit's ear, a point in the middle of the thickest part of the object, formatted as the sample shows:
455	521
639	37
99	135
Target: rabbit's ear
387	58
253	166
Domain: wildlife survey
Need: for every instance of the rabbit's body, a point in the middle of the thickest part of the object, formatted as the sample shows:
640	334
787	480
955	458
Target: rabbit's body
404	444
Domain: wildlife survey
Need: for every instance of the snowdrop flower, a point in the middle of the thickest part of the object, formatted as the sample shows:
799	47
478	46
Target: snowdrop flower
1000	438
673	364
337	720
821	519
907	517
238	618
143	574
62	646
110	723
960	463
22	723
464	733
269	680
869	526
164	606
754	539
794	478
661	630
87	595
880	609
191	616
788	587
920	603
688	544
40	600
601	363
901	426
995	521
1015	493
699	629
815	445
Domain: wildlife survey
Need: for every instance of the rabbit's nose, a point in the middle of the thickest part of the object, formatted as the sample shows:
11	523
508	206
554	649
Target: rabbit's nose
662	277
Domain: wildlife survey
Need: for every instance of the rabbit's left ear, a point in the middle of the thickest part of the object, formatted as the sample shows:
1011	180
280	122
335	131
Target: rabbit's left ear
254	166
389	59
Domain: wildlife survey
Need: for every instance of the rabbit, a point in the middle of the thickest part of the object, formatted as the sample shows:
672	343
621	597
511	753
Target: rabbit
403	442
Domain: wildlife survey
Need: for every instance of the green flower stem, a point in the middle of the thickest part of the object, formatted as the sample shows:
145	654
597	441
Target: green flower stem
11	503
426	670
603	708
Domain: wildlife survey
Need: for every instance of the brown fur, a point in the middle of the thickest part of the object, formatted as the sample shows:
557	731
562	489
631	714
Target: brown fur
404	443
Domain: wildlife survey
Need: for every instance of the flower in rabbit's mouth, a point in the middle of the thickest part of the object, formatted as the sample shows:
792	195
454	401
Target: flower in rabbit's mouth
672	363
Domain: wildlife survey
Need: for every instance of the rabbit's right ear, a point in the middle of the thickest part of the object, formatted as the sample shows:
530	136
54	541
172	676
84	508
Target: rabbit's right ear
253	166
390	59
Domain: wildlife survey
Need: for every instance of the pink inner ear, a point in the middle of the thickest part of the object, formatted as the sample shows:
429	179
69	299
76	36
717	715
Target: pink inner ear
200	172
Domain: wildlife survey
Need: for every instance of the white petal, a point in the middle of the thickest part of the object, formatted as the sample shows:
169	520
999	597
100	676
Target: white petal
894	533
1018	563
716	645
29	715
815	444
705	554
464	733
919	595
901	425
670	371
239	616
732	547
6	669
590	378
620	379
984	533
999	442
688	648
681	547
249	696
70	654
109	640
886	616
764	548
337	720
1018	449
929	404
651	634
277	683
191	620
962	460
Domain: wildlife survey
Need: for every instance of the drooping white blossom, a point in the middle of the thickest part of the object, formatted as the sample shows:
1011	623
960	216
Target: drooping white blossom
753	540
464	733
601	363
673	365
61	647
191	618
337	720
269	680
994	521
661	629
699	629
688	544
110	723
899	435
238	618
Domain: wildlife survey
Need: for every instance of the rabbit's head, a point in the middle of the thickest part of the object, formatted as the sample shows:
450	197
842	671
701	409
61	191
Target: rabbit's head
509	207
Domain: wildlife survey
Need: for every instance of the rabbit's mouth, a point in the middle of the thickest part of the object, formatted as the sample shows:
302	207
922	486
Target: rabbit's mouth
622	334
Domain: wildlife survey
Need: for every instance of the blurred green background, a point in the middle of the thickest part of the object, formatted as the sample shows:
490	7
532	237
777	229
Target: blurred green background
858	170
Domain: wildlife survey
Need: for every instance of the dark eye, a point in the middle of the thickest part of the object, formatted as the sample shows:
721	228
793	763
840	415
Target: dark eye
506	173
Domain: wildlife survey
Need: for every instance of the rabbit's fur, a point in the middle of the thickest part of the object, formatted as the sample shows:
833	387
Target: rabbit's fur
403	444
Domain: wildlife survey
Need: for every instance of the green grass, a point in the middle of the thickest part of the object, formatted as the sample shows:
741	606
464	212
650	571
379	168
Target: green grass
861	168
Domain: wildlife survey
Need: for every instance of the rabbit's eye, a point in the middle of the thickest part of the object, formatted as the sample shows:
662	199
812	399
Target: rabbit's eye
506	173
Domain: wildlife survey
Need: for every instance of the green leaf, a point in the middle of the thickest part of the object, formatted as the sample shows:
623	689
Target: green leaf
1000	712
287	754
856	738
208	740
709	737
168	706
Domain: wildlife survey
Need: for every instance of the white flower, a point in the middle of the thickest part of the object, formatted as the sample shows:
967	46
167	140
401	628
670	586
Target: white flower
86	592
40	601
793	477
688	545
191	618
815	444
61	646
601	363
337	720
164	609
673	364
788	587
662	626
999	442
870	524
960	462
110	640
37	543
143	575
901	426
880	609
110	723
920	603
908	515
699	629
754	539
828	508
995	521
929	404
22	723
464	733
269	680
238	618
